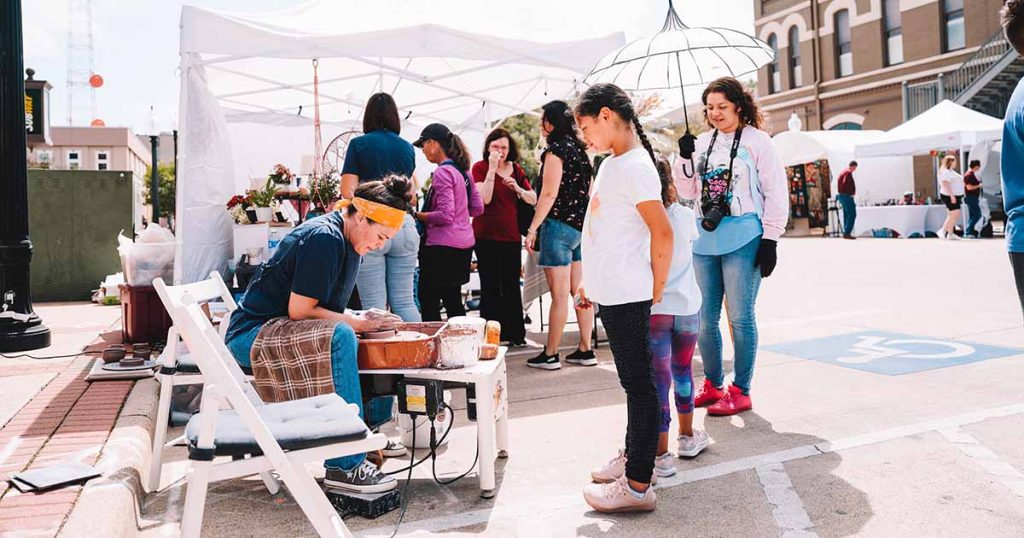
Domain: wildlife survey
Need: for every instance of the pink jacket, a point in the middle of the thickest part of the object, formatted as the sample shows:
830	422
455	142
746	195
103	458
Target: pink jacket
448	221
770	173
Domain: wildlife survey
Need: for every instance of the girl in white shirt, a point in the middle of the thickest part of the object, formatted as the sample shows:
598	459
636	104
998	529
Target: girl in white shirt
951	190
627	252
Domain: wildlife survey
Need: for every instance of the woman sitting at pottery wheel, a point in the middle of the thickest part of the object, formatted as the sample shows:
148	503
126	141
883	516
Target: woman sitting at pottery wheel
301	292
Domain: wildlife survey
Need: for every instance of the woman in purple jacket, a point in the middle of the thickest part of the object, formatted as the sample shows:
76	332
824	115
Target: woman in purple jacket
449	204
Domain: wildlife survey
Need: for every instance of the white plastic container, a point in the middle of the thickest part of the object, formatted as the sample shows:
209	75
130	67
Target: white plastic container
441	422
461	341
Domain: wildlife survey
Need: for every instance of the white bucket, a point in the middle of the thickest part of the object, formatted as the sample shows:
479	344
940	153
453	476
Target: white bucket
441	424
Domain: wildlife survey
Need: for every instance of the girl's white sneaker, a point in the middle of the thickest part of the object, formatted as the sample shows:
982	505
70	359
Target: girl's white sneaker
689	447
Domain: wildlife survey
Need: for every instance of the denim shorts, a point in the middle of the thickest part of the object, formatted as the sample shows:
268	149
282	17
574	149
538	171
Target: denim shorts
559	244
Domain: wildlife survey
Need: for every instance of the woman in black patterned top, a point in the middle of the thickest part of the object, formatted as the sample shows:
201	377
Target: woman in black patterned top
556	231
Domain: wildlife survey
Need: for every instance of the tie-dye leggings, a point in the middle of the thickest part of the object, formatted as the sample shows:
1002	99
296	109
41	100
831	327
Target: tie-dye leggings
673	340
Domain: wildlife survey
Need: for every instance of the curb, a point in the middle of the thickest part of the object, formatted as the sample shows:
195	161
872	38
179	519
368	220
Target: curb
111	505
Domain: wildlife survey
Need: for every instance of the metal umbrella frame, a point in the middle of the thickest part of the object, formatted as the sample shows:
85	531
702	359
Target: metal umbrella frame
679	56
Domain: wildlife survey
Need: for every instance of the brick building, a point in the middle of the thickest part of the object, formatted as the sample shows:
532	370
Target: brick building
870	64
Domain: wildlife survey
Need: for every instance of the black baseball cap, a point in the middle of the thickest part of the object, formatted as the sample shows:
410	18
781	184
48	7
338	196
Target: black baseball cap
434	131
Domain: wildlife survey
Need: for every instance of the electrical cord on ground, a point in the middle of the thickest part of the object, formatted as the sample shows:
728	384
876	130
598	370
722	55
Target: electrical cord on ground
433	454
433	448
405	491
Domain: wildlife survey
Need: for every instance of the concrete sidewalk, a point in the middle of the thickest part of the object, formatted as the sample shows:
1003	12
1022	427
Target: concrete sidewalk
842	441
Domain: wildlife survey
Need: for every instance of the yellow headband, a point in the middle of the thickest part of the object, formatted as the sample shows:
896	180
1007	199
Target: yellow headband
377	212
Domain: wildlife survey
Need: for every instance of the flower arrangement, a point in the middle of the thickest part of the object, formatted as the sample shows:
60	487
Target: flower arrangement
281	175
236	208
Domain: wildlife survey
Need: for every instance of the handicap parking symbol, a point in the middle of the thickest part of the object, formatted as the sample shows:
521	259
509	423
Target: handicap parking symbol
891	354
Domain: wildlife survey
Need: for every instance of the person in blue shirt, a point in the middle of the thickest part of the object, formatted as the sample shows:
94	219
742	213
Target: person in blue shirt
1013	152
386	276
311	277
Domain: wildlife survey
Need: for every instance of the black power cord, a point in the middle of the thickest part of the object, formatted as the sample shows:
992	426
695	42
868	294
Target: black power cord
405	490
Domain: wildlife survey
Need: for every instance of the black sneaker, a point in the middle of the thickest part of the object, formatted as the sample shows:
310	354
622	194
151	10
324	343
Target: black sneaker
366	478
582	358
517	343
545	361
394	449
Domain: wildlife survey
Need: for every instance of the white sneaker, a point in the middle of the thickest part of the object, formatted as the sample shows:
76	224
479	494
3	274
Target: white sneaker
689	447
611	471
394	449
664	465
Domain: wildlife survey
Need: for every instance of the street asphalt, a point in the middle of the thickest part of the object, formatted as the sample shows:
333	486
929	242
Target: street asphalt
888	401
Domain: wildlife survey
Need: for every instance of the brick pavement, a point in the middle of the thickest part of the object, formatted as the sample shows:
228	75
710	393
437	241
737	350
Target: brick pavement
69	420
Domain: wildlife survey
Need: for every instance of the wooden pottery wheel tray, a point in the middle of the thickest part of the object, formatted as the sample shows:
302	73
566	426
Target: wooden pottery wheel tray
413	345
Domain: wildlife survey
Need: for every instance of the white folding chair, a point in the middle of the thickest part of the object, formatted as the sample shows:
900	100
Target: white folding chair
281	437
178	367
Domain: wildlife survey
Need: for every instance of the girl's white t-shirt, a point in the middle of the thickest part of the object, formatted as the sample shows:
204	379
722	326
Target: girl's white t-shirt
682	296
956	183
616	241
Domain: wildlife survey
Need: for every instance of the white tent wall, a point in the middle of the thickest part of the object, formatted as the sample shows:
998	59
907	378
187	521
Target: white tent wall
205	179
878	179
945	126
252	65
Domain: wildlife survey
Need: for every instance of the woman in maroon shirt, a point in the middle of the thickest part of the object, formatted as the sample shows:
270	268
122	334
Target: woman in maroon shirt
502	183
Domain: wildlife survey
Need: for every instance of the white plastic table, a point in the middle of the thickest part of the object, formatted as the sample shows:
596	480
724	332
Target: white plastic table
489	378
902	218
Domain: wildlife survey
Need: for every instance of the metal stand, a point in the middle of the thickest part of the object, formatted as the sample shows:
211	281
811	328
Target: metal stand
20	328
835	224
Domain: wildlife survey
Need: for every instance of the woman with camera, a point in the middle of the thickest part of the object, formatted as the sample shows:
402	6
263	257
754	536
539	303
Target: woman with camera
737	178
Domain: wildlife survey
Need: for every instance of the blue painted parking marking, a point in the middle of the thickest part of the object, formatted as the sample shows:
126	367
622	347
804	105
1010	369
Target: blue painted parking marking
891	354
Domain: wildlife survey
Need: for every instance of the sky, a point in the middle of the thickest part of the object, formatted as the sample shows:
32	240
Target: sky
135	42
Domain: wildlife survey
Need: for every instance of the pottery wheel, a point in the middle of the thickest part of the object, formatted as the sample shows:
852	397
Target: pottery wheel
378	335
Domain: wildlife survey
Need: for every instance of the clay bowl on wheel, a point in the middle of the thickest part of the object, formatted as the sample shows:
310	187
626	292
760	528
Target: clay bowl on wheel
113	354
379	335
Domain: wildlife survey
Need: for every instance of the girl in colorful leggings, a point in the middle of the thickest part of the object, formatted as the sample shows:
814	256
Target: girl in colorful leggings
675	322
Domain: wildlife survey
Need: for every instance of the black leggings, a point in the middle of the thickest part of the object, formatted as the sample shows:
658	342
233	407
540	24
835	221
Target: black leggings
501	299
1017	262
629	329
443	271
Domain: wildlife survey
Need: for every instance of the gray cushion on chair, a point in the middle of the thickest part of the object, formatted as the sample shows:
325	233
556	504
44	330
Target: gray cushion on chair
298	424
187	365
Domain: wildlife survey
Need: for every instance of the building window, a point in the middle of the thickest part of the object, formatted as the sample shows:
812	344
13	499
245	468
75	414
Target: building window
774	76
844	44
102	160
74	159
893	32
847	126
953	18
44	158
795	72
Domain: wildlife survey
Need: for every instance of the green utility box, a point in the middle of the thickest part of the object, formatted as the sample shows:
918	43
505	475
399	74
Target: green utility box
74	219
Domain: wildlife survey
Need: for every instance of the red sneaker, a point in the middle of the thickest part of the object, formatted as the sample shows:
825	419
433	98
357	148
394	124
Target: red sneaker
708	395
732	403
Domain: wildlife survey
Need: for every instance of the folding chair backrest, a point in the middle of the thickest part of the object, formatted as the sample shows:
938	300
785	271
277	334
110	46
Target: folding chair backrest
209	290
175	297
214	358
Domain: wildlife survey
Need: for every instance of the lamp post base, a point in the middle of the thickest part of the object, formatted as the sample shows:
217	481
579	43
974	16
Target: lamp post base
23	335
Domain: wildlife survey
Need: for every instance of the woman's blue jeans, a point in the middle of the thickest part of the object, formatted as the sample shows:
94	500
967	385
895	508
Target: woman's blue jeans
345	371
734	278
386	275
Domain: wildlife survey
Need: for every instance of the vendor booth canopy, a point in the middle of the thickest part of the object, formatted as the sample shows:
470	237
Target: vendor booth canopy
878	178
946	125
247	90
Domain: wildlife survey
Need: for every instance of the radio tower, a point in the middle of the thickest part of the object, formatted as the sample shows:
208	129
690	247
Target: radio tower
81	95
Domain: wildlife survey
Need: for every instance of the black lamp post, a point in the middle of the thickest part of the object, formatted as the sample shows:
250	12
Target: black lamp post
20	328
154	185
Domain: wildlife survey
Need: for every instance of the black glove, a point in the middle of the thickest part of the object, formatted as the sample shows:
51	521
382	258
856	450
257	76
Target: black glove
766	257
687	145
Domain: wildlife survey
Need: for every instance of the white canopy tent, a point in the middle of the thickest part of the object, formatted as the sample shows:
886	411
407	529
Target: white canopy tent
247	92
878	178
946	125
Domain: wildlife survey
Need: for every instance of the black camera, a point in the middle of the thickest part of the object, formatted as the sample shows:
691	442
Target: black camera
714	210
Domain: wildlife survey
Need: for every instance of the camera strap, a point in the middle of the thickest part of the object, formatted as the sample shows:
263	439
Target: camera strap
732	154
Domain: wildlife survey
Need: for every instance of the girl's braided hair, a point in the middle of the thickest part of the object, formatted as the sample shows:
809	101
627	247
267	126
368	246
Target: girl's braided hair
610	96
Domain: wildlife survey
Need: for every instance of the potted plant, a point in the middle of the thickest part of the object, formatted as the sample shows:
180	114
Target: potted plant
264	201
322	192
281	176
